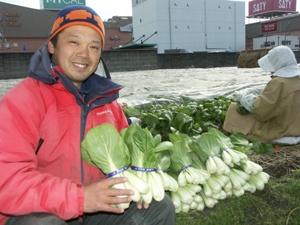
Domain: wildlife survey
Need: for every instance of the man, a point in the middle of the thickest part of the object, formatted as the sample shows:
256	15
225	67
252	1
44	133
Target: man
43	121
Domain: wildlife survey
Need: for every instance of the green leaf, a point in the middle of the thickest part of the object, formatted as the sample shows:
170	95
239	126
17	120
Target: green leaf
262	148
105	148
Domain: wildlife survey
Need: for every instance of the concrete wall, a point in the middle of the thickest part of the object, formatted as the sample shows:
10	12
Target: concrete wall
15	65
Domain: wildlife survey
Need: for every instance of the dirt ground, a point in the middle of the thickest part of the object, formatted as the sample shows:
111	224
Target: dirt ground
285	159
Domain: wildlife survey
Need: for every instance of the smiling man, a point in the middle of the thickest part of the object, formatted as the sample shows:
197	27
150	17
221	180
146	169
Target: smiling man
43	122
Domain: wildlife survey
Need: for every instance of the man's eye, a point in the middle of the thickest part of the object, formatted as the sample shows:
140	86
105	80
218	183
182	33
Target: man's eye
95	47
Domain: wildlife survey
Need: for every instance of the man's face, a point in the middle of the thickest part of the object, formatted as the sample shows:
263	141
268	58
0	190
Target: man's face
77	52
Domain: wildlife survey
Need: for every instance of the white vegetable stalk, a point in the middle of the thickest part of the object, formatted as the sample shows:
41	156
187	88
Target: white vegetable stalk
185	207
215	186
176	200
156	186
216	165
247	187
208	201
191	175
121	205
227	188
207	190
147	198
235	180
177	210
241	174
234	157
211	165
198	198
200	206
226	157
193	205
169	183
184	195
137	182
257	182
134	183
251	167
238	192
193	188
220	195
222	179
243	156
222	168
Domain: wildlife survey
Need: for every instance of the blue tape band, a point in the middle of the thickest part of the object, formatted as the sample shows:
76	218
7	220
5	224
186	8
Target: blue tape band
117	172
183	168
140	169
212	155
224	149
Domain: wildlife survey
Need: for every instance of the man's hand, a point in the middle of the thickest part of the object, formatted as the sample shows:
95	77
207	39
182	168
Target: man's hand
141	205
100	196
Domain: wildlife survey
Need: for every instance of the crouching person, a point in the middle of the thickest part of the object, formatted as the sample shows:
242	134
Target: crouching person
273	114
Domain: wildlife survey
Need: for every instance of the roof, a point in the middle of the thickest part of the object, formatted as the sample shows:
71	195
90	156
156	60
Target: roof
135	46
271	14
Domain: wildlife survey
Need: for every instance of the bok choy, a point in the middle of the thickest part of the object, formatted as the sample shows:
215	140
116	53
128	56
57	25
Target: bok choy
104	148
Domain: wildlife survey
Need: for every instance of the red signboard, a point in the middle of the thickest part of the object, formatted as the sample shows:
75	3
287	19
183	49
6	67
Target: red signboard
261	7
268	27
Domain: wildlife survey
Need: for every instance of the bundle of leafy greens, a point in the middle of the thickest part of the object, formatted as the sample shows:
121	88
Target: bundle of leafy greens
228	153
149	160
188	176
207	148
104	148
182	161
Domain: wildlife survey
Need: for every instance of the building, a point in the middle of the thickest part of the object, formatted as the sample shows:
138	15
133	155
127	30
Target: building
283	30
118	32
279	25
24	29
170	26
190	26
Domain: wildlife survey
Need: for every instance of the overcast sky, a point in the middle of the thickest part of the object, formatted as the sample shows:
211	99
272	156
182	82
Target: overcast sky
109	8
105	8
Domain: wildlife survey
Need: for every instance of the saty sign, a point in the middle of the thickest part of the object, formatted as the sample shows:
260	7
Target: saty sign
264	6
59	4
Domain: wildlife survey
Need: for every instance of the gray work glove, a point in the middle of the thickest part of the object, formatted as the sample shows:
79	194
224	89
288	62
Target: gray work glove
135	120
247	101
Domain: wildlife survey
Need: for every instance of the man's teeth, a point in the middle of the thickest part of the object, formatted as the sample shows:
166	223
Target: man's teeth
80	65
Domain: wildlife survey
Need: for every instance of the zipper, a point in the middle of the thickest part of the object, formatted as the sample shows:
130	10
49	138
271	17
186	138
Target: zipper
85	110
40	143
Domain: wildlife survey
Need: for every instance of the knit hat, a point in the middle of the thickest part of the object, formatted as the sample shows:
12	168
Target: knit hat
78	15
282	61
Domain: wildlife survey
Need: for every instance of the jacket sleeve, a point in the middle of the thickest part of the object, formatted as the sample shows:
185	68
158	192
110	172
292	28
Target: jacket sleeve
23	189
265	106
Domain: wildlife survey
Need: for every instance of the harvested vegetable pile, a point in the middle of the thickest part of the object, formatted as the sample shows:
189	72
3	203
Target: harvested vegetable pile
278	203
197	171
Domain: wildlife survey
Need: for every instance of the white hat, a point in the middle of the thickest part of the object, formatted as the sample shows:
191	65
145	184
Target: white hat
282	61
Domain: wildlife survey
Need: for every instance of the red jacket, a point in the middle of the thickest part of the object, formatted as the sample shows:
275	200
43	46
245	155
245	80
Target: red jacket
43	121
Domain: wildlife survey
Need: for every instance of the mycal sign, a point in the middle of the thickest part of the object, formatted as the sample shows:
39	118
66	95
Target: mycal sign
59	4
